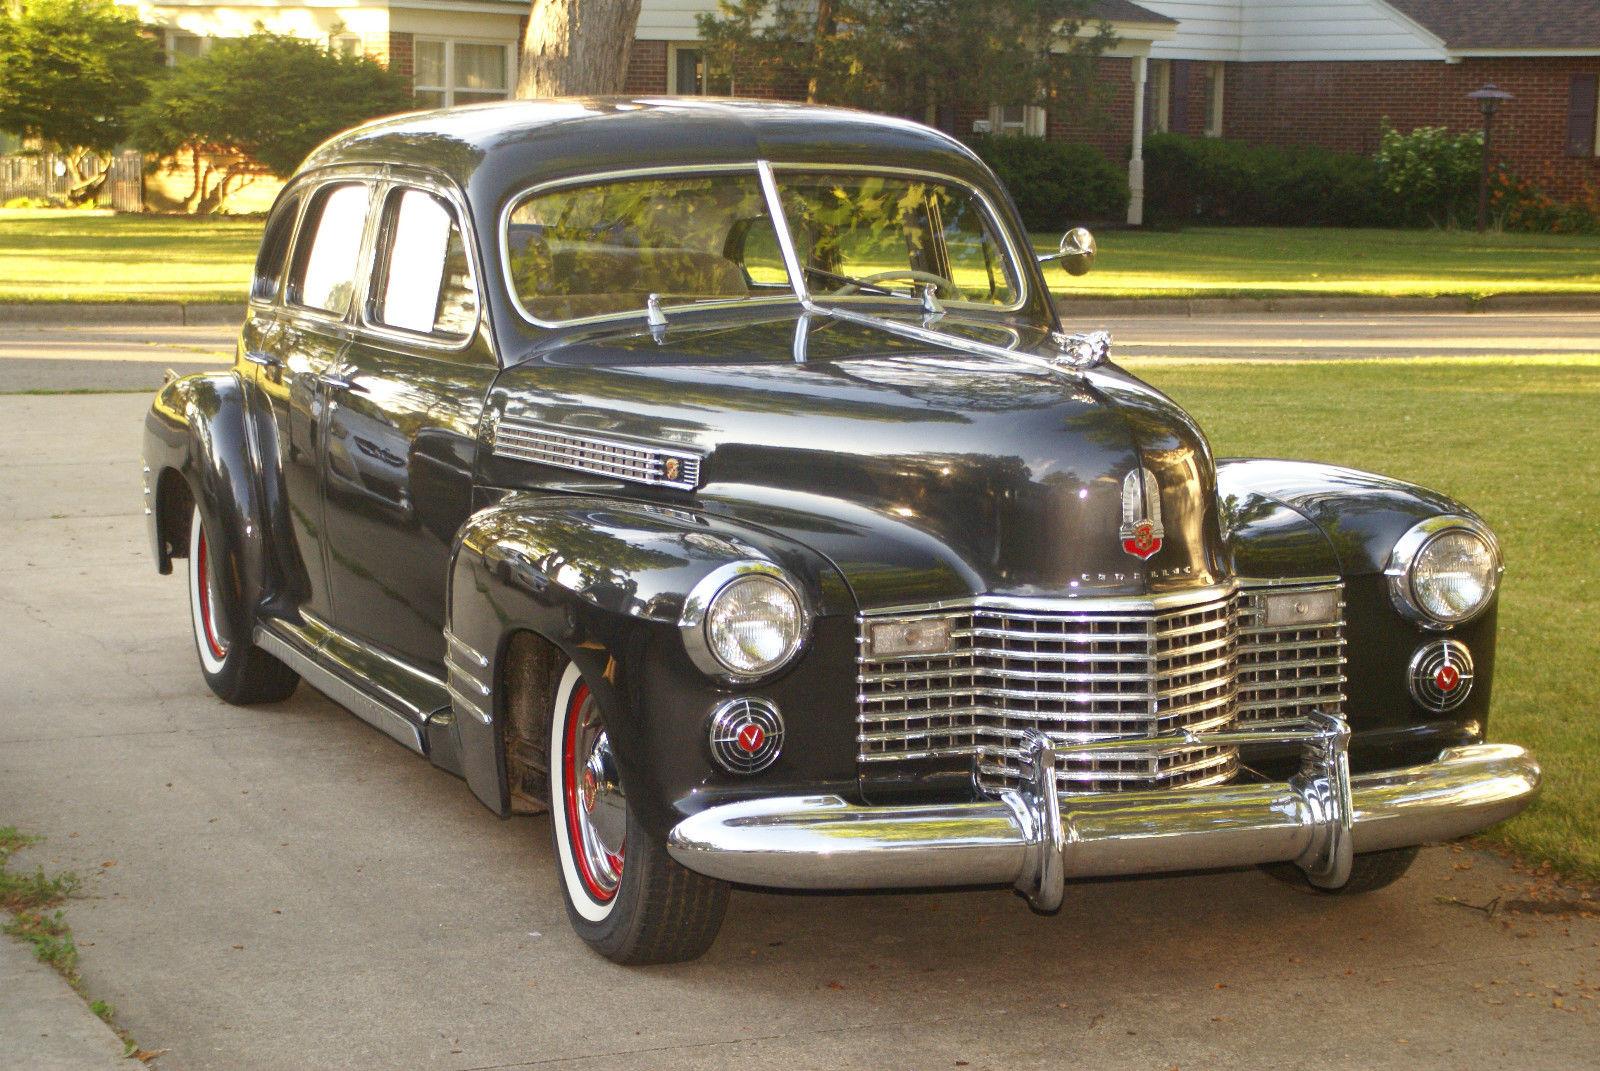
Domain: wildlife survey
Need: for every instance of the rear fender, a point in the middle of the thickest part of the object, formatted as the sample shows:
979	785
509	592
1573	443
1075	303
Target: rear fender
201	430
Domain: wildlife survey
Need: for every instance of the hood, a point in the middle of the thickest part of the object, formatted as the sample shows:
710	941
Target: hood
921	473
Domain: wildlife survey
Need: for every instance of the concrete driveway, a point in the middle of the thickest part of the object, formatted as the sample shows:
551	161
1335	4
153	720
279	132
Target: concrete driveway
283	887
109	356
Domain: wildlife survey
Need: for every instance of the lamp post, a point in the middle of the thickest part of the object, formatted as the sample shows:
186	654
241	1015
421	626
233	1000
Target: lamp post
1488	98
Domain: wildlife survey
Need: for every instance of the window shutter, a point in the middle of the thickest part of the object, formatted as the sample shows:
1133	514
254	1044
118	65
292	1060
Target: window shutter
1178	108
1581	101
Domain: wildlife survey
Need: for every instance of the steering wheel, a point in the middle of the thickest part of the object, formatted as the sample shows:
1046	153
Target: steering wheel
944	286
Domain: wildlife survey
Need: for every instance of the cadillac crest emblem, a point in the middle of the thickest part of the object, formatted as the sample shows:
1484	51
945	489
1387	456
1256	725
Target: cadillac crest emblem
1141	514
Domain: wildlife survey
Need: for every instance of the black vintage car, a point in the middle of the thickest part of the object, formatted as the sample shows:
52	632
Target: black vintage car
719	476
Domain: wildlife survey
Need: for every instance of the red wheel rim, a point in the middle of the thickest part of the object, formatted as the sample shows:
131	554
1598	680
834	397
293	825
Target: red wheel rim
599	867
208	625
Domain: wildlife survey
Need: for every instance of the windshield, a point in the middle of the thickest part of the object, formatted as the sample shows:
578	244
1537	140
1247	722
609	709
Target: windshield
579	251
867	234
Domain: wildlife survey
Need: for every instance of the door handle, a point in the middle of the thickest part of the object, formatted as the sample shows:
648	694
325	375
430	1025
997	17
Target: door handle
262	358
340	381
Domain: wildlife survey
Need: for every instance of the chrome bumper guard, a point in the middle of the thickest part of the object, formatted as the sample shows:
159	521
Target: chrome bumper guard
1035	838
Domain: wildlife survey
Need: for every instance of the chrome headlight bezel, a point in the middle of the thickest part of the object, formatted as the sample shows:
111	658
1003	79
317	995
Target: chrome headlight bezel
695	621
1400	571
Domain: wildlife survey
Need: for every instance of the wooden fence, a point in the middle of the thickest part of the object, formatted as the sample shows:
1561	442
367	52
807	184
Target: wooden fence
48	177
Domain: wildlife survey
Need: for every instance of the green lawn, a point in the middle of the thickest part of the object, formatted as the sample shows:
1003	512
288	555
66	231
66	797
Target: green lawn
95	256
1302	262
1513	439
88	256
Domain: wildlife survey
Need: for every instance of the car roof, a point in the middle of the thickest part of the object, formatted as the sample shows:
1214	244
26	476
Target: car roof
493	150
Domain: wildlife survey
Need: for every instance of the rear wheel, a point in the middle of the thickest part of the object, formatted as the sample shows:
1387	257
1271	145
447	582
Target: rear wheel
1368	873
627	898
234	667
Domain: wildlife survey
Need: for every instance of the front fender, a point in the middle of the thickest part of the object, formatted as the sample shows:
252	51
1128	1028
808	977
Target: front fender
200	430
1358	517
605	581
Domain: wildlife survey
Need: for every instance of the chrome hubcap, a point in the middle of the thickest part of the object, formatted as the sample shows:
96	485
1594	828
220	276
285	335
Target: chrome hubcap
596	806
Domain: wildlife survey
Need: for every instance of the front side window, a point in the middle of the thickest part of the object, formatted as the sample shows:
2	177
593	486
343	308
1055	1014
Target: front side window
870	235
579	251
324	273
425	277
446	73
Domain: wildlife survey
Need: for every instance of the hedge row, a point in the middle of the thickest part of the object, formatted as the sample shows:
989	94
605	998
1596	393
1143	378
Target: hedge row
1056	184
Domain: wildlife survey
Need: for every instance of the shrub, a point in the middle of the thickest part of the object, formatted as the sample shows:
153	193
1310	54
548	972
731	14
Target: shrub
1056	184
1429	176
257	105
1516	204
1210	180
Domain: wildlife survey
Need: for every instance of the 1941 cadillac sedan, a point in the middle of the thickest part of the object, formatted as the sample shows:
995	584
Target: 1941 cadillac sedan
719	477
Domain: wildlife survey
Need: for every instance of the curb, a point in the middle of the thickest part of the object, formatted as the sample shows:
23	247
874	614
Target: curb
1326	305
154	314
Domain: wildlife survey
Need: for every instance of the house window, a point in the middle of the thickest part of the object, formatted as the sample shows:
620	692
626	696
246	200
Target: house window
345	44
690	74
1583	115
1158	97
1211	98
183	46
446	73
1017	119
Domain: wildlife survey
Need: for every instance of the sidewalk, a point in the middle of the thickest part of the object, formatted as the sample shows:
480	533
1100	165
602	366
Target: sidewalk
44	1025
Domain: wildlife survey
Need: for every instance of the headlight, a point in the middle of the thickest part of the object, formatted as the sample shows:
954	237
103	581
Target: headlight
1444	571
744	620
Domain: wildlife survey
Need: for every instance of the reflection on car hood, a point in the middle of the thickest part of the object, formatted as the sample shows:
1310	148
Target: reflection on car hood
922	473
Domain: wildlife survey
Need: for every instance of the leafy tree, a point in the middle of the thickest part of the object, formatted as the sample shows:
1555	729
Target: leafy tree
910	57
256	105
71	71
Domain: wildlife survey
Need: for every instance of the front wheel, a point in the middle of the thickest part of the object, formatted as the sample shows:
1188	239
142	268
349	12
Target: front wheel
235	668
627	898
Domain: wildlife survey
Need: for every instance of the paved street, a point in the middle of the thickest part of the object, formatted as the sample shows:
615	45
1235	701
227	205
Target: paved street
284	887
117	357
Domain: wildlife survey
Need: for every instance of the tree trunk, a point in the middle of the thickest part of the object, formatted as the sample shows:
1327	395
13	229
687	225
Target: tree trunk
825	29
577	47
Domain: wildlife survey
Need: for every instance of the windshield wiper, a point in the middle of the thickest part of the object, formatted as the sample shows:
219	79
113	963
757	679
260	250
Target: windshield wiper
859	284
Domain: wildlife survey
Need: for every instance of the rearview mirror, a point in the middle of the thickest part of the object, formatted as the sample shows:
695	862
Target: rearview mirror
1076	252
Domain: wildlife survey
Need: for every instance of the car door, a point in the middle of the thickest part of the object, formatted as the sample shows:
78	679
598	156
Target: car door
296	355
403	423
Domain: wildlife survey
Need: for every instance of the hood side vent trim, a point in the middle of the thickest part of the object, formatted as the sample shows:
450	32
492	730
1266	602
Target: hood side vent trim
583	451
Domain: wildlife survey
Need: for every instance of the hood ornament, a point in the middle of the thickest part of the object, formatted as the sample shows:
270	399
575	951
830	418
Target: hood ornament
1141	530
1086	350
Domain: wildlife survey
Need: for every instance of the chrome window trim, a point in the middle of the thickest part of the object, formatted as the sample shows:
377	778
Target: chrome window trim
763	170
696	610
1404	556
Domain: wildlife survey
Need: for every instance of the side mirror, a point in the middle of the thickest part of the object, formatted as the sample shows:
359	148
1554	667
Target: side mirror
1076	251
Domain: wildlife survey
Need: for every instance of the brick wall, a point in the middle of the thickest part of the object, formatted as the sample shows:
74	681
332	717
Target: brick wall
1343	105
402	54
647	68
1105	122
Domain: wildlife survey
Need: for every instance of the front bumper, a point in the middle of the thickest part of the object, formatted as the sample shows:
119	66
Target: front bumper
1035	838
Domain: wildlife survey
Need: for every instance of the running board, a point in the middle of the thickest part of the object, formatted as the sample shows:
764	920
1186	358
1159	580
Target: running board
393	697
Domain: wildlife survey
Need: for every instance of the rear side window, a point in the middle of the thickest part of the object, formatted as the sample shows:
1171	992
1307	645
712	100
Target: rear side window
425	282
274	250
324	273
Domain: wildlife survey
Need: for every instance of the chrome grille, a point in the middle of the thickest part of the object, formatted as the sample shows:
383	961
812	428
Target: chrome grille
1285	672
569	449
1104	672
